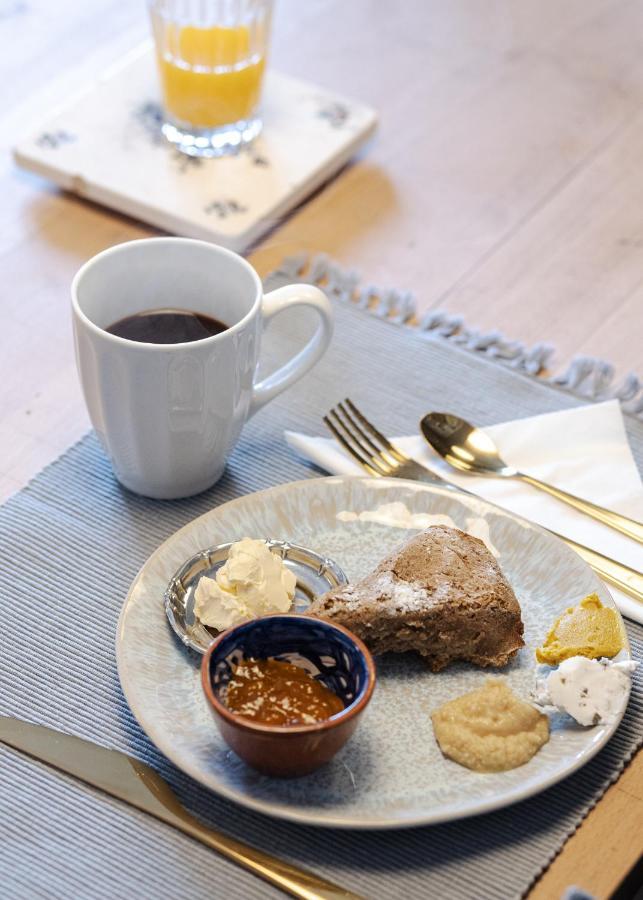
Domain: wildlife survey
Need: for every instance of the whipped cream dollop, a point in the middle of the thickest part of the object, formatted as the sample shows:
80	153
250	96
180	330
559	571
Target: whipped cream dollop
591	691
252	582
398	515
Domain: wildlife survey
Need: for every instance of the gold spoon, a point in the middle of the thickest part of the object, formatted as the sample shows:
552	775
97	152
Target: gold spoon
470	449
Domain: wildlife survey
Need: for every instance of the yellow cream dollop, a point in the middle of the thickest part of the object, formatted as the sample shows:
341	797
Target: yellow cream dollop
589	629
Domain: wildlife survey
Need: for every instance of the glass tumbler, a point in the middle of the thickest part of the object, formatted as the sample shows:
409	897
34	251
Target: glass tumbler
211	57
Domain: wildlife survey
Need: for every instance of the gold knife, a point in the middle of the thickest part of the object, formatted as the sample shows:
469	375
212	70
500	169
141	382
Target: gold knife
138	784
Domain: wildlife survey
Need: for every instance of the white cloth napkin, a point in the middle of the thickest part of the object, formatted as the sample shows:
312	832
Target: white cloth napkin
583	451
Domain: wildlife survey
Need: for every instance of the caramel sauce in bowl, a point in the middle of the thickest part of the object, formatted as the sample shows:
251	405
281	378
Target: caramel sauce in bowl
279	693
287	691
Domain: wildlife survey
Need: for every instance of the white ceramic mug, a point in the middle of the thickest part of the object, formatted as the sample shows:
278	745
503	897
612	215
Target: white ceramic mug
169	414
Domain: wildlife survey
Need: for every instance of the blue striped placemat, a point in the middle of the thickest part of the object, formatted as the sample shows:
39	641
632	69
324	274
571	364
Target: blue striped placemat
70	544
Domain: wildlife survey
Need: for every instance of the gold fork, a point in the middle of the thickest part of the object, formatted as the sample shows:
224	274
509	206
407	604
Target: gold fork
372	450
381	459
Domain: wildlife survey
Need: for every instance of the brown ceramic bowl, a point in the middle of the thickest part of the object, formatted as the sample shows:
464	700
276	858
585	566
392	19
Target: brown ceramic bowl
330	652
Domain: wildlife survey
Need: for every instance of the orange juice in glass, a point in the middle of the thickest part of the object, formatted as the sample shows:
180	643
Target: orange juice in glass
211	57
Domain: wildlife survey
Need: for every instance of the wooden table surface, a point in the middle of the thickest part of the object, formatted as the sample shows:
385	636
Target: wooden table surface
506	184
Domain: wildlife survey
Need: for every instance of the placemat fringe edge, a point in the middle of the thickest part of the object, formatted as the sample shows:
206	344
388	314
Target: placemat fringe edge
589	377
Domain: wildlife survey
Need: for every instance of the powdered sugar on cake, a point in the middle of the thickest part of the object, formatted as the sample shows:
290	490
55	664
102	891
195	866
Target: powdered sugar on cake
441	594
405	596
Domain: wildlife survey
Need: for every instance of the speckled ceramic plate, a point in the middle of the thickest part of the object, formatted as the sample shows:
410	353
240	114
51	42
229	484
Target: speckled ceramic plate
391	773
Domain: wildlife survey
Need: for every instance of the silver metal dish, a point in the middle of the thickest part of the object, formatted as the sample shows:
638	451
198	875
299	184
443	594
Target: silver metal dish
315	575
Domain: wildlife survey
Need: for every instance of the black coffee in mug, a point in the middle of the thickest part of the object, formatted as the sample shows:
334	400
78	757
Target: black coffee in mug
167	326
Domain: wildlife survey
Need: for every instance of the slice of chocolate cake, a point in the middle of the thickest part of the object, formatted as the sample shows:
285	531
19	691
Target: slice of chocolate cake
442	595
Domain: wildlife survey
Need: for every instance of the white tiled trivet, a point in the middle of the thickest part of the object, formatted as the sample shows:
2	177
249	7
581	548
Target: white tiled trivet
105	144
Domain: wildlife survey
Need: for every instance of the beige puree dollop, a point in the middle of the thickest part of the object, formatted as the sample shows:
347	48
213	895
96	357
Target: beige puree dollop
490	729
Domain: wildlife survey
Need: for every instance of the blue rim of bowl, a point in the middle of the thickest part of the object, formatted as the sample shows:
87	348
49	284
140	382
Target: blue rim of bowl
349	712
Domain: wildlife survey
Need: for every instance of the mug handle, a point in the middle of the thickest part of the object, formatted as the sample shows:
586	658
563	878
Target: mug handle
276	302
